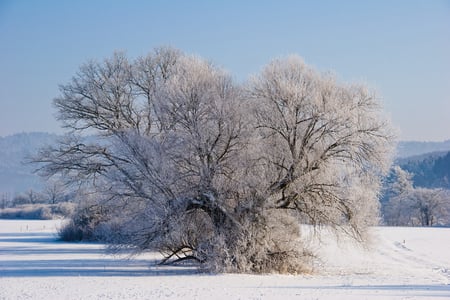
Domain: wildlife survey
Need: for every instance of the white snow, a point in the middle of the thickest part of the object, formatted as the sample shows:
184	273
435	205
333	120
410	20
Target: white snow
401	263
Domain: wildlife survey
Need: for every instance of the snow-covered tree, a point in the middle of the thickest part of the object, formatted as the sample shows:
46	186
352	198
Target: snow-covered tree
396	210
191	164
430	207
414	206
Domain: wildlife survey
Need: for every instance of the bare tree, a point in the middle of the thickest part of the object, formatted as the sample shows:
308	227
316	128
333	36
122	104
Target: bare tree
5	201
430	206
397	210
55	191
193	165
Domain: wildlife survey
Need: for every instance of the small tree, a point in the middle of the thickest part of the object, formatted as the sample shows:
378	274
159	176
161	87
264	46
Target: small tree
193	165
430	207
397	209
55	192
5	201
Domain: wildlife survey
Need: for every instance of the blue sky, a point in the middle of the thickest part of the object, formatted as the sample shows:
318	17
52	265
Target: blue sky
400	48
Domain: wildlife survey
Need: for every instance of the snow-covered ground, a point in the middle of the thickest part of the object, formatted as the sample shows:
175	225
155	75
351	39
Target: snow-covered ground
402	263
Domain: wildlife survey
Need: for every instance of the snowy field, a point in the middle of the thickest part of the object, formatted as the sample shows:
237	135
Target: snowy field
402	263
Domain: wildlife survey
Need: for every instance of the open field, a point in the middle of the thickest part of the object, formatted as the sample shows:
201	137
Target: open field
402	263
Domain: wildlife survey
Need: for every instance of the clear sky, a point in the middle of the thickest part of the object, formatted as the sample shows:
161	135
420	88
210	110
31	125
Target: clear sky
401	48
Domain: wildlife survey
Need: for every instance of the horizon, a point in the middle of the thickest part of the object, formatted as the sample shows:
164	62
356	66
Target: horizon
399	49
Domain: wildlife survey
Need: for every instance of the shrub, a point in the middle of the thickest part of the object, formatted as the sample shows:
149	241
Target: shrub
83	224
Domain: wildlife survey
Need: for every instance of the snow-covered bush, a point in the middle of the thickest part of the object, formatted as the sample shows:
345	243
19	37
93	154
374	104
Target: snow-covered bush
263	244
84	223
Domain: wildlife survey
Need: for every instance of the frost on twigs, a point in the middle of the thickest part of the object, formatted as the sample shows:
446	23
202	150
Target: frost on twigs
200	168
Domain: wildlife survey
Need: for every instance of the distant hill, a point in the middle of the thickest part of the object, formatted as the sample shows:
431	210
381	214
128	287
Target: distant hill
428	161
430	170
15	176
412	148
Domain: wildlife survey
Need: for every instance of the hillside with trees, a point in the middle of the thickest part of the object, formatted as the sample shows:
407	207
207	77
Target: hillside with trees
430	171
